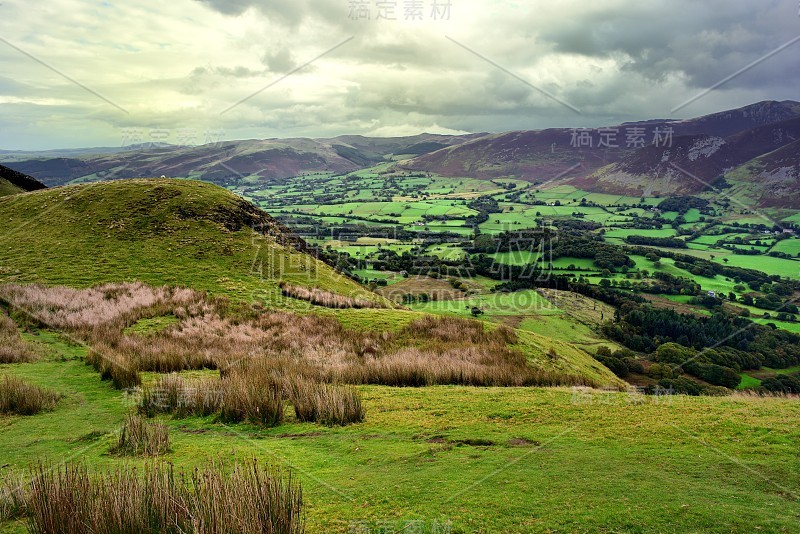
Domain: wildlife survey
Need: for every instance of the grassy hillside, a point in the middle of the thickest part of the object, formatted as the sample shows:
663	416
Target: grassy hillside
13	182
176	232
7	188
471	459
198	235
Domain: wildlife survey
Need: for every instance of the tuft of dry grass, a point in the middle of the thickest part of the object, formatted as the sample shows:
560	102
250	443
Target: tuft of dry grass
140	437
430	350
12	496
175	395
320	297
21	398
237	397
250	398
246	499
458	330
112	367
254	392
327	404
87	312
12	347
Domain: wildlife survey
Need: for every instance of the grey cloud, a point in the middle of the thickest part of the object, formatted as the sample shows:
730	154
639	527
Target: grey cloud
291	12
705	42
279	61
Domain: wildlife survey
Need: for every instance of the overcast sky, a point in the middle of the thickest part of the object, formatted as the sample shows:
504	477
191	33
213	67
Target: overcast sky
79	73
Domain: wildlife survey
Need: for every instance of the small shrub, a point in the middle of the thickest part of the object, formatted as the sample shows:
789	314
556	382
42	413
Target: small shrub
634	365
617	366
122	375
21	398
174	395
140	437
236	398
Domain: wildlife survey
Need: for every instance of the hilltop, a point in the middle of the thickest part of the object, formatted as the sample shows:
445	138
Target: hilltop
177	232
693	163
704	147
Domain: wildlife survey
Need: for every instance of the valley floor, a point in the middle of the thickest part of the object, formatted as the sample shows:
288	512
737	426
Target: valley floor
460	459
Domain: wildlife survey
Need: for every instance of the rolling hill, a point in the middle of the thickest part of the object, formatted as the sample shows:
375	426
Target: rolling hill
223	163
770	180
176	232
198	235
693	162
699	152
604	166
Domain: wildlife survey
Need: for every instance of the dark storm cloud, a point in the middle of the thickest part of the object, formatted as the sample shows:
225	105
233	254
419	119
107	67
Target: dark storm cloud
704	42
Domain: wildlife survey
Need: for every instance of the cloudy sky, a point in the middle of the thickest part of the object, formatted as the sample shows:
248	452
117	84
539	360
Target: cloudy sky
79	73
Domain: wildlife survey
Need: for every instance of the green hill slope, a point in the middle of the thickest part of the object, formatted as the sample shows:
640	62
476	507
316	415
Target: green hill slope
13	182
175	232
195	234
7	188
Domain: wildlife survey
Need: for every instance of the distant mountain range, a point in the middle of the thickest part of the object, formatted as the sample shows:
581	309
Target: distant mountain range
658	157
753	149
226	162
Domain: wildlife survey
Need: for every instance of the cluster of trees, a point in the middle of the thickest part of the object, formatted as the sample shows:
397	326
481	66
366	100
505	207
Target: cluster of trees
669	242
484	206
782	384
415	264
605	255
513	241
738	343
667	284
621	362
756	280
576	225
683	204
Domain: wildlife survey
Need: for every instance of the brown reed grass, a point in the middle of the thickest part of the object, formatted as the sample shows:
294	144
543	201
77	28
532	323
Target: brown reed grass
320	297
22	398
13	348
140	437
216	499
430	350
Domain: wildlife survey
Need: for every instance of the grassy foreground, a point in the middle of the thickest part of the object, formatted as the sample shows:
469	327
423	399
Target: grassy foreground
470	459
